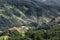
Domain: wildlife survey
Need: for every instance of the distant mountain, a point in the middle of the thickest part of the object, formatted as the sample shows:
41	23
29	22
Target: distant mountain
50	2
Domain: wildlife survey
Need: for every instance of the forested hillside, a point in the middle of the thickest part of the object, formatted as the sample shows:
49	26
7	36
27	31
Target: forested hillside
29	20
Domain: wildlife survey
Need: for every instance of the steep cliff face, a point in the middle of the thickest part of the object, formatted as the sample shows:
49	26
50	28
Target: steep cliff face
25	12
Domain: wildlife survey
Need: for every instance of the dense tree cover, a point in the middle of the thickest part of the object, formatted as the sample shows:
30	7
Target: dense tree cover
33	34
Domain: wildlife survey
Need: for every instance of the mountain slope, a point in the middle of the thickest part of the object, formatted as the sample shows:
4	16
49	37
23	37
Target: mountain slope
25	12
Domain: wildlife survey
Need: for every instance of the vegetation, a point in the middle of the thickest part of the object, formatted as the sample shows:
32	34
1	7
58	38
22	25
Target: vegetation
29	20
33	34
